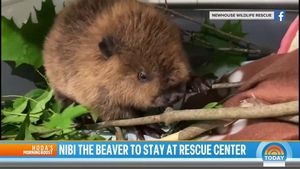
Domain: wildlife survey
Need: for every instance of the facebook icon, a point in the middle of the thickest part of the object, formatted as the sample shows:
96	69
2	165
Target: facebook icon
279	15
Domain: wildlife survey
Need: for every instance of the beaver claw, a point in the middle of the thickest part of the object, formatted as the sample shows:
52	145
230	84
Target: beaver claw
152	130
200	84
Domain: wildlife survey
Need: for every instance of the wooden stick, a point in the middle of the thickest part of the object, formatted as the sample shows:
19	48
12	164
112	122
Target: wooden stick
168	117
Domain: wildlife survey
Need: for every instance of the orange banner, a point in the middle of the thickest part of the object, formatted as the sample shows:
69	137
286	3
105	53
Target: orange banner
27	149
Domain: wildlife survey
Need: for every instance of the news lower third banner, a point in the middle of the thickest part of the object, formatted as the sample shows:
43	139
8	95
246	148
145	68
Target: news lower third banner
270	153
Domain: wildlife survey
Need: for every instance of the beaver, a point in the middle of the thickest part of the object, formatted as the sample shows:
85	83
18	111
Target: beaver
116	57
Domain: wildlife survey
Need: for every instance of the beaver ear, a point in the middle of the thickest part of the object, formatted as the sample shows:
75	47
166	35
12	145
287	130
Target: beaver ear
107	47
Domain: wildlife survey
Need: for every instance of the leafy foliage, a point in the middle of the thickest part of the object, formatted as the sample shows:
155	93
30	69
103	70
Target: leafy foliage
64	120
213	41
25	45
38	116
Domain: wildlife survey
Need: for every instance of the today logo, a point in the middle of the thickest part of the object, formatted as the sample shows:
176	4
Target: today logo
274	152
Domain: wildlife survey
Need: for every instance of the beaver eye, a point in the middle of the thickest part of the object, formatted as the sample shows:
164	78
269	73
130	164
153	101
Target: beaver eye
143	77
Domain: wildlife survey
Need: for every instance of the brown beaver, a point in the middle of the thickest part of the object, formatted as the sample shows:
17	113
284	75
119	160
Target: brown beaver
115	57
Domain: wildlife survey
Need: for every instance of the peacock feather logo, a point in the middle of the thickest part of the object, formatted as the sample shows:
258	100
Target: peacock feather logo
274	152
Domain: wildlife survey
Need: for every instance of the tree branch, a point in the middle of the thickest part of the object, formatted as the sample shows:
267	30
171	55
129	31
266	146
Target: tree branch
199	128
168	117
119	134
292	119
214	86
241	50
226	85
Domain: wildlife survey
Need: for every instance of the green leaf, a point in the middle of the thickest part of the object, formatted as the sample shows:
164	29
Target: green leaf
46	115
56	107
213	41
9	129
35	93
57	133
6	104
218	41
19	105
212	105
25	45
36	129
11	118
16	48
65	119
24	133
72	112
95	137
219	106
40	104
20	102
234	28
41	129
15	114
220	59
